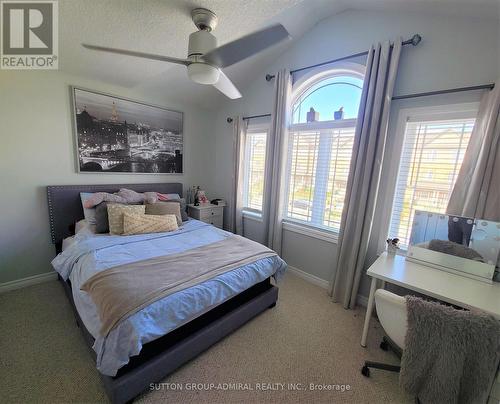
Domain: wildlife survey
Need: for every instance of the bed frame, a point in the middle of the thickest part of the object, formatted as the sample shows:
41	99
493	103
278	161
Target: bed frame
162	356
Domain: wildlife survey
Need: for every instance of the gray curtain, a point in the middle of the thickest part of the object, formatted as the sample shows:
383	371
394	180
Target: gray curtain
276	160
477	190
236	205
364	174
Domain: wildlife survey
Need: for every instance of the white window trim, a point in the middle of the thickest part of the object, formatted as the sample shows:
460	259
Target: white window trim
302	85
310	231
253	214
437	112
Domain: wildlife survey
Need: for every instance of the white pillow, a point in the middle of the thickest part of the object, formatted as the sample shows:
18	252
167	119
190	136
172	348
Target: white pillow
89	214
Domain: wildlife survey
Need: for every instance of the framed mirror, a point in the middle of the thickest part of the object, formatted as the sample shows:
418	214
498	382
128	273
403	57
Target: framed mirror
462	245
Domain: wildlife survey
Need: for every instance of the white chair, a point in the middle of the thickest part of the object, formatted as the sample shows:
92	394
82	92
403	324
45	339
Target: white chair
391	312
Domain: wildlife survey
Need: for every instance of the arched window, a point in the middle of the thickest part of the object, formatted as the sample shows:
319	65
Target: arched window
327	96
324	111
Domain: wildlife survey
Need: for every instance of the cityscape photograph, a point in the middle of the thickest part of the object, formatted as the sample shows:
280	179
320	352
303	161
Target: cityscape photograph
118	135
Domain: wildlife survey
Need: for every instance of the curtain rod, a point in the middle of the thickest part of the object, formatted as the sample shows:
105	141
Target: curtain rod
489	86
246	118
414	40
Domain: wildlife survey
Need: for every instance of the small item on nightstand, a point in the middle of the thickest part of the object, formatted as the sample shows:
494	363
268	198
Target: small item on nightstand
218	202
392	245
196	199
202	198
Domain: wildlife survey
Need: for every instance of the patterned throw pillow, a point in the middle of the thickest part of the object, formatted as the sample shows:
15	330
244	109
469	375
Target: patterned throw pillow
165	208
141	224
115	215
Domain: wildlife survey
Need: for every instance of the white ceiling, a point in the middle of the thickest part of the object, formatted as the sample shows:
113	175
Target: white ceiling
163	27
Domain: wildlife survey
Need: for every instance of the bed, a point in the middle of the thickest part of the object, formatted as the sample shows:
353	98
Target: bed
156	340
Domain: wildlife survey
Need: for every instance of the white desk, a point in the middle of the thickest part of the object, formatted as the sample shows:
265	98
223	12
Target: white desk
455	289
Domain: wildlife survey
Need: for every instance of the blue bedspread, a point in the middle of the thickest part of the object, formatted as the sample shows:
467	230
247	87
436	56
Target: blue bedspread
91	253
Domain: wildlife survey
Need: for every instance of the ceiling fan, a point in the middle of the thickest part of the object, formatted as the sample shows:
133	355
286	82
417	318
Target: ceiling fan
205	60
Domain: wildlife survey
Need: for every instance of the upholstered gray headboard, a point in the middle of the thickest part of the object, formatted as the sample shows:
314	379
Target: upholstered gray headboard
65	206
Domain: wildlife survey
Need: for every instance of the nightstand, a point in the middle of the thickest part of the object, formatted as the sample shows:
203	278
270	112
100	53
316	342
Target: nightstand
208	213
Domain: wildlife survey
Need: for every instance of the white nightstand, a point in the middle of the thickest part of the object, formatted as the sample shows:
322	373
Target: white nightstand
208	213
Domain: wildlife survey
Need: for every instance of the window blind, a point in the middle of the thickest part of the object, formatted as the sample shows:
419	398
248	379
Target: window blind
255	159
431	158
318	169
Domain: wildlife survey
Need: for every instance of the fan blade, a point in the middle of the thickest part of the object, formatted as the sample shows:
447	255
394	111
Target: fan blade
226	87
247	46
161	58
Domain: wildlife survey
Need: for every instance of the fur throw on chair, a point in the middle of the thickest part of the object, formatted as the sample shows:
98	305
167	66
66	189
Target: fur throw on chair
450	355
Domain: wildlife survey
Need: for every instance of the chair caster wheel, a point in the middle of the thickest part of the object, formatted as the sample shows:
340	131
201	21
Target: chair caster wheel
384	346
365	371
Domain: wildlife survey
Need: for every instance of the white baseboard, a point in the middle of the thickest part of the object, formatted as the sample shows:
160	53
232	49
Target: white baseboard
361	300
308	277
30	280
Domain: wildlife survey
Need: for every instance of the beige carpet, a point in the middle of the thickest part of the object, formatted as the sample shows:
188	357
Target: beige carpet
305	339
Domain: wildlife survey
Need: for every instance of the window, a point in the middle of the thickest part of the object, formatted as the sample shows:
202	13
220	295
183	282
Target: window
320	146
433	150
254	168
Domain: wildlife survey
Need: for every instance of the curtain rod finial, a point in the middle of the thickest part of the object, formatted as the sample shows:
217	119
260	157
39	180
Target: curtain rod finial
229	120
415	39
269	77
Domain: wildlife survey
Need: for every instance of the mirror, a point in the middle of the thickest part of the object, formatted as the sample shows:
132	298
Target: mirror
465	245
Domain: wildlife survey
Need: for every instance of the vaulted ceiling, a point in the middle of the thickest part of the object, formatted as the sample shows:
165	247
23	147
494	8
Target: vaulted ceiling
163	27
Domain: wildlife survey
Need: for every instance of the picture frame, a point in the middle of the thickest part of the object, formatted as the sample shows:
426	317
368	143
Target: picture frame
118	135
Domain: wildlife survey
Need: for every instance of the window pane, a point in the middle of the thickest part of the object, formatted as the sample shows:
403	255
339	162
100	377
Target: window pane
432	154
256	160
318	171
328	96
304	152
340	161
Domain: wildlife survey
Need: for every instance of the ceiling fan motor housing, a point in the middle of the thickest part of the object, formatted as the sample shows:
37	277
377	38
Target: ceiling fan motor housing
201	42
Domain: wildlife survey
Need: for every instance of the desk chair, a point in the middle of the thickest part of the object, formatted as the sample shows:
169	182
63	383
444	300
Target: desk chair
391	311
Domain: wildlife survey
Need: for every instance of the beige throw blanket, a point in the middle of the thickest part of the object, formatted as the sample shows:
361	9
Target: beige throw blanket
122	291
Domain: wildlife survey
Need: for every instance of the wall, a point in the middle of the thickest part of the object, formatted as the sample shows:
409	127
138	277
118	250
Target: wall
37	149
454	52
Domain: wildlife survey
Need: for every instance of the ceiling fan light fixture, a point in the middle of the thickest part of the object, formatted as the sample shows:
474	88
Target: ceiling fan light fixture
202	73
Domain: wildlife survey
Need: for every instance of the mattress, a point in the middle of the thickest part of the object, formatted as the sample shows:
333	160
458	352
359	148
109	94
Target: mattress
88	253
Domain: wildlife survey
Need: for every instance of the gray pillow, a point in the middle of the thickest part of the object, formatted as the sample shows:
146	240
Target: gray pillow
165	208
182	202
101	218
184	214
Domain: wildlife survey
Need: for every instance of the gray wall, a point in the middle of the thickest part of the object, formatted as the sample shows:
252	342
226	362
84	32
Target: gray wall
37	149
455	52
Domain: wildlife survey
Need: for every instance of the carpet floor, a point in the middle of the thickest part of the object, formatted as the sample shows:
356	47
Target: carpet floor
306	339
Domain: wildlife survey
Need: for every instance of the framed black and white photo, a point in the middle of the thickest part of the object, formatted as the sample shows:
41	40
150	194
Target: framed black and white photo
117	135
